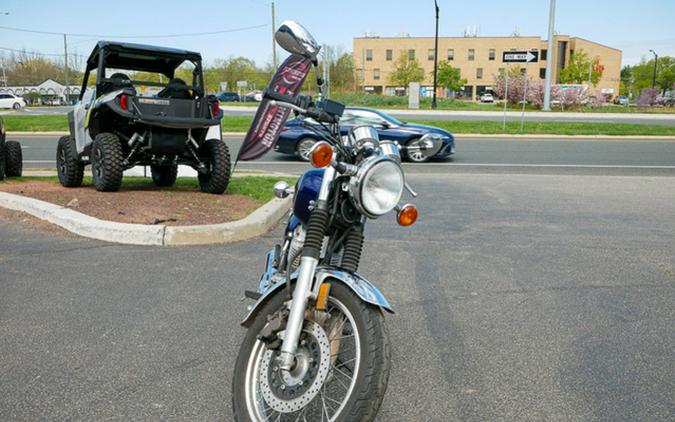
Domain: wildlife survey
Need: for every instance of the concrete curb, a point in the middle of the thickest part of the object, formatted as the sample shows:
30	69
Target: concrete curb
257	223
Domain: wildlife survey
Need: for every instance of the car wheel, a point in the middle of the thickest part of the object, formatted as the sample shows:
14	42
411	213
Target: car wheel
216	157
106	162
304	147
2	158
13	159
164	176
16	106
415	155
69	168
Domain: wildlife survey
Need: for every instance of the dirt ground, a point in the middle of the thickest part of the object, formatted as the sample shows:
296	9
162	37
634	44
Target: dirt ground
177	206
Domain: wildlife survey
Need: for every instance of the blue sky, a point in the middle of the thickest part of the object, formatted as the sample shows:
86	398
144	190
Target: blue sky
630	25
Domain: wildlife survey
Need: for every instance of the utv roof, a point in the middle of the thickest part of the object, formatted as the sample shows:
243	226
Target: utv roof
147	58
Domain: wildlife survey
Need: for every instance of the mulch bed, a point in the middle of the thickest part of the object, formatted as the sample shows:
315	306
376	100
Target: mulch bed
143	204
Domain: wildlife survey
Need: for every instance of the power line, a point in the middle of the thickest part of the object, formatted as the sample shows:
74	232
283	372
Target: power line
14	50
189	34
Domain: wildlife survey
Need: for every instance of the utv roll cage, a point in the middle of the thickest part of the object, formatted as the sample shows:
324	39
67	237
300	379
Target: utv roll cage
143	58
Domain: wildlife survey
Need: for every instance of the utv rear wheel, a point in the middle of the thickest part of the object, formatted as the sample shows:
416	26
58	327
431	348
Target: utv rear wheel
2	158
164	176
13	159
106	162
68	166
216	158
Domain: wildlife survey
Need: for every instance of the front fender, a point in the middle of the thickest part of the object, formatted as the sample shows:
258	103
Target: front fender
360	285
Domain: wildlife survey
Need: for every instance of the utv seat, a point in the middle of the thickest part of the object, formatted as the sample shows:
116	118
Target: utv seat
118	81
176	88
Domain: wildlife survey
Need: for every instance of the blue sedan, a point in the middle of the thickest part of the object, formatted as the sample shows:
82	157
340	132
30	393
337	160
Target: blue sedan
296	139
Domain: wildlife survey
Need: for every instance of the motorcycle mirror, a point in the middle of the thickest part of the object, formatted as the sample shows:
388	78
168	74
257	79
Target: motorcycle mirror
430	145
295	39
282	189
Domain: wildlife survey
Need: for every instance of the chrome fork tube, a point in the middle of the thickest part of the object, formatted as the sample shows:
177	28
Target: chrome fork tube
303	289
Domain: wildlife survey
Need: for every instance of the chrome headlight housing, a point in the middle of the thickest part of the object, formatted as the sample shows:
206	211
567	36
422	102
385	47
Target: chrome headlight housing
377	186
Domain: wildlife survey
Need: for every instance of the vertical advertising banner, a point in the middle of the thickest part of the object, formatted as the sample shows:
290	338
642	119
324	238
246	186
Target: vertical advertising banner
269	120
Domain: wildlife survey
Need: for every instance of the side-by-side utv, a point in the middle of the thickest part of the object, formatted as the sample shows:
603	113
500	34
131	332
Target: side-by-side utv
139	112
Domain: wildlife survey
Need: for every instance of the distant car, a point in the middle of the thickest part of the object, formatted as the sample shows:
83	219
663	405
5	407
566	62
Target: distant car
253	96
226	97
11	101
298	140
487	98
621	100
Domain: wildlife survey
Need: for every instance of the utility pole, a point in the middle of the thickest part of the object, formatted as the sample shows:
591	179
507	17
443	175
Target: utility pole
65	69
433	101
656	61
274	44
549	57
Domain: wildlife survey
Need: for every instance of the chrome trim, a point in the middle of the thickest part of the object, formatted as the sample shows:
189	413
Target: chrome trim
360	285
355	188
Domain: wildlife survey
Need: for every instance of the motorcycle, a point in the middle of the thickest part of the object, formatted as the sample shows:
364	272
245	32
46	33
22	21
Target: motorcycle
316	347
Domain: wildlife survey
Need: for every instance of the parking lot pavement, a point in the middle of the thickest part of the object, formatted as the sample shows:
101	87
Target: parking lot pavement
518	297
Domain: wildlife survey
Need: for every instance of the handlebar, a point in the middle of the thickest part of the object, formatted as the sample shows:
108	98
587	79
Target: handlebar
302	104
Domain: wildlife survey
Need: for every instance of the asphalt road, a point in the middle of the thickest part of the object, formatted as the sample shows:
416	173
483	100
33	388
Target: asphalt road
635	118
490	154
518	298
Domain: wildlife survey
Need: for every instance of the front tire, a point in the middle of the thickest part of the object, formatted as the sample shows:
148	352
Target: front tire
415	156
13	159
106	162
16	106
216	158
69	167
364	391
164	176
304	147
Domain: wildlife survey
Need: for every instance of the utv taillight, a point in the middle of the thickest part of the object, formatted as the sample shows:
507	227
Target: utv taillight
124	104
216	109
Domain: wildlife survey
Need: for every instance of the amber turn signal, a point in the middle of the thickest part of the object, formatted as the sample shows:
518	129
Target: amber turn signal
321	154
407	215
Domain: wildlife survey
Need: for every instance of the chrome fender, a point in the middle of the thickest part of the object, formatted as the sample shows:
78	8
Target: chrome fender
360	285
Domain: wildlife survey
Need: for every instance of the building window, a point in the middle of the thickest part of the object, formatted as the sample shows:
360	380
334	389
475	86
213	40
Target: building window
542	73
451	54
430	54
501	72
376	74
369	55
542	55
479	73
411	54
491	54
389	55
472	54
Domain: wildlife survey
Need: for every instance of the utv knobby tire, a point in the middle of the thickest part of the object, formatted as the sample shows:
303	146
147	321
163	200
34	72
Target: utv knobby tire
373	374
106	162
2	158
13	159
216	157
68	166
164	176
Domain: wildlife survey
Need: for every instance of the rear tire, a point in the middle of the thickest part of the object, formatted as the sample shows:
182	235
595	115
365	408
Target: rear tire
106	162
216	157
164	176
13	159
68	166
2	158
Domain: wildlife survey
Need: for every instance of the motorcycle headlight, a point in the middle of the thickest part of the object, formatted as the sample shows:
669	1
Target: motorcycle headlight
377	187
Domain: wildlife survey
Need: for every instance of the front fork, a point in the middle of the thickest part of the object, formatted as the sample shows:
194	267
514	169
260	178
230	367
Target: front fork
303	288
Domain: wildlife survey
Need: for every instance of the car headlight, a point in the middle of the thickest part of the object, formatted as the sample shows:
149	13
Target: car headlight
377	186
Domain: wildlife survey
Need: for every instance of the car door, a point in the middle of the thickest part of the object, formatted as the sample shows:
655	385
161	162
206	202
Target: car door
5	101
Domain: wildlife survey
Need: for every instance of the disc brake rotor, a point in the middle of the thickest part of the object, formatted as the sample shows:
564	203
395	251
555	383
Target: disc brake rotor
288	392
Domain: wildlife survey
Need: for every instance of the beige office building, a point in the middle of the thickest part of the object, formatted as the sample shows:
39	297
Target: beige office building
478	58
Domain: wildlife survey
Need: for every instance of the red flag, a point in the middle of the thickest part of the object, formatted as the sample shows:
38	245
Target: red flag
269	120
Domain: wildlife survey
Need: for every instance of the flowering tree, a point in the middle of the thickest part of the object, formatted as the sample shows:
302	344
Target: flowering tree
647	97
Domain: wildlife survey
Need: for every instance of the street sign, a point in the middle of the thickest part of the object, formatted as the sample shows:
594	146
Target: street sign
520	56
242	84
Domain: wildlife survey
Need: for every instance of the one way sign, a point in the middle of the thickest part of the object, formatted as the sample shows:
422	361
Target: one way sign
520	56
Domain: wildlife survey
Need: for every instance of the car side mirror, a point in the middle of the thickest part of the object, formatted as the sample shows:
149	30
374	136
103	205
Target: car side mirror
385	124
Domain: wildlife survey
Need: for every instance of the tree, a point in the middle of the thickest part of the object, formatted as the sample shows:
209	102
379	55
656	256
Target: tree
450	77
577	69
405	71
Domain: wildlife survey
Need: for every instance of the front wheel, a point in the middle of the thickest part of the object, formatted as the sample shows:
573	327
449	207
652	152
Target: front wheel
304	147
341	369
16	106
13	159
414	154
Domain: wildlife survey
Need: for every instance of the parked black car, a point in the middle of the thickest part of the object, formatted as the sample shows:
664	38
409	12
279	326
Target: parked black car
11	160
119	122
228	97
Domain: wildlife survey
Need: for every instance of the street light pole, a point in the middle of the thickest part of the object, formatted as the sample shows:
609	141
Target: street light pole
433	101
274	44
549	57
656	60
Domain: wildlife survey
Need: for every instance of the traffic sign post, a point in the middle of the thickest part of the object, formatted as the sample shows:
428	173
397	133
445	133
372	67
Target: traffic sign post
518	57
506	93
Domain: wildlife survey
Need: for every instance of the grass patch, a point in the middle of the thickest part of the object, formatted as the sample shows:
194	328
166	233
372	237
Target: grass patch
35	123
256	187
549	128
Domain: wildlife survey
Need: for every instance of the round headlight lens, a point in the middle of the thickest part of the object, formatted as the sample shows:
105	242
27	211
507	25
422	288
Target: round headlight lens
382	187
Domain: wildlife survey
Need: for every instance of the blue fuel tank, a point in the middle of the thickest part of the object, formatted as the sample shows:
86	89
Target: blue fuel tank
307	189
